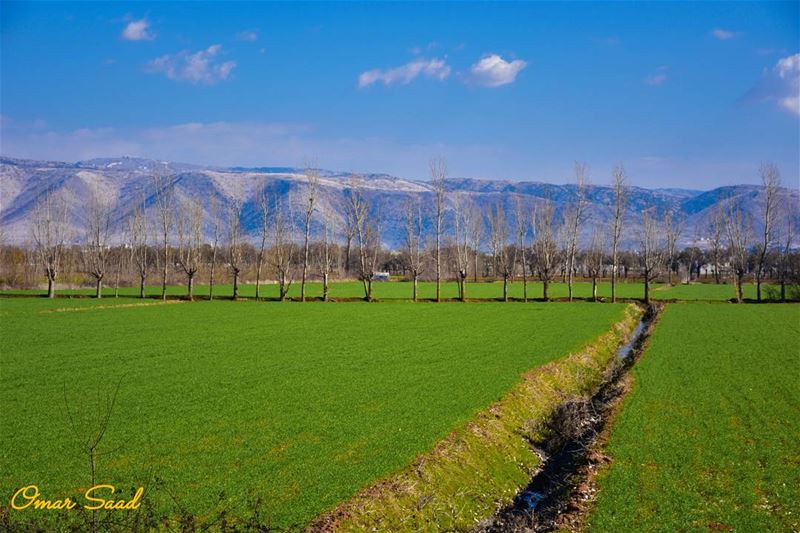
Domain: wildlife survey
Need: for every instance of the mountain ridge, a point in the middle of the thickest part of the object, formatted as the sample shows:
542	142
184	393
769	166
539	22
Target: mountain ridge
126	179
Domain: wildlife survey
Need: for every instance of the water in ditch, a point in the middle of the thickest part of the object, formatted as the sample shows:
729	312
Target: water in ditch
575	427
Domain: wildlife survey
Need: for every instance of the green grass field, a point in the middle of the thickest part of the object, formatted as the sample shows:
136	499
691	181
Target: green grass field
708	437
301	405
480	290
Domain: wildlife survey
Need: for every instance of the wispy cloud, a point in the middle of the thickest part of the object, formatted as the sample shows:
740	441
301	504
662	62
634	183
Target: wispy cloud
419	49
494	71
770	51
247	35
200	67
138	30
243	143
724	35
436	69
659	77
779	84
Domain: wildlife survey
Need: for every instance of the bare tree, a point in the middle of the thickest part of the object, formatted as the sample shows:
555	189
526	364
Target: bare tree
312	182
575	217
283	248
216	234
651	251
738	229
367	234
673	226
476	230
263	204
91	439
545	247
325	256
414	242
164	199
190	238
49	235
438	168
95	251
594	260
137	236
771	180
521	244
119	257
235	253
461	228
498	242
716	230
620	200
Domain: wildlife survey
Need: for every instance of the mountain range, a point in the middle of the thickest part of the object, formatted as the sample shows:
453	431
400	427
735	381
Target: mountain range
126	180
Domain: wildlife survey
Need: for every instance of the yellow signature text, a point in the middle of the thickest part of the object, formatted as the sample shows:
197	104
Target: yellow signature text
98	497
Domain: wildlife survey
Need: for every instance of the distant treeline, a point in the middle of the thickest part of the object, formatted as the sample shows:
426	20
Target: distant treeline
450	238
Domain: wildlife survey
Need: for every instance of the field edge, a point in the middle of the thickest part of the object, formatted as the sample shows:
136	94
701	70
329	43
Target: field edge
479	467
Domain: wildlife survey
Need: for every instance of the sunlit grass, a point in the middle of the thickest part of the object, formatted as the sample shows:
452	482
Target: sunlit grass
301	405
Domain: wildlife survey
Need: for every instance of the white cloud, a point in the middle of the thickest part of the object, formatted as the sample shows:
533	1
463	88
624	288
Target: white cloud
138	30
198	67
788	70
493	71
247	35
723	34
659	77
436	69
779	84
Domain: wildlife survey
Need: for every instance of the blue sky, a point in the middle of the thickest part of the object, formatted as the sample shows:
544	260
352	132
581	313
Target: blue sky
684	94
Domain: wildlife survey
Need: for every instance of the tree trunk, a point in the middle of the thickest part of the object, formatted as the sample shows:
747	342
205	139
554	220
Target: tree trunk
99	288
258	280
475	274
646	287
438	269
141	286
190	287
758	286
347	256
116	284
524	284
614	282
51	290
594	289
164	276
462	286
282	287
739	289
783	290
325	286
235	284
545	285
415	287
211	283
505	288
305	266
569	284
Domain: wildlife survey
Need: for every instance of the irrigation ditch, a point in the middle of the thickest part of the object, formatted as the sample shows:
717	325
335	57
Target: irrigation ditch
557	495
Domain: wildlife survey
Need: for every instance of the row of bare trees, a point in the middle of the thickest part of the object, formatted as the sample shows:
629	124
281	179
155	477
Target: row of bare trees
445	237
